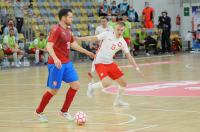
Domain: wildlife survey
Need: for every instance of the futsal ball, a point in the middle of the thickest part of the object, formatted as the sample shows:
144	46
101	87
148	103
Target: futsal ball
80	118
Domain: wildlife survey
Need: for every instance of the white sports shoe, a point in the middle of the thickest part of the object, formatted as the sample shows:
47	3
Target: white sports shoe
90	90
42	118
67	116
119	102
148	54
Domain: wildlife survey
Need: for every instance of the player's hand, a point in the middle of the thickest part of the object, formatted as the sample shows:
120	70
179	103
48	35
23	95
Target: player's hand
58	63
139	71
91	55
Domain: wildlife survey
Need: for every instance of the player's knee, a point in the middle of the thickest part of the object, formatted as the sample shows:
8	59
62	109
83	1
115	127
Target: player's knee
76	88
53	91
123	84
106	84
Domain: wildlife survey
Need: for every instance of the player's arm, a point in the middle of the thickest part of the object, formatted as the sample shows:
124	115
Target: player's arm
50	49
87	38
77	47
132	61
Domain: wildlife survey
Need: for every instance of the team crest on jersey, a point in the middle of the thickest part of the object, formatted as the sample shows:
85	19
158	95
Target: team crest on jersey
55	83
101	74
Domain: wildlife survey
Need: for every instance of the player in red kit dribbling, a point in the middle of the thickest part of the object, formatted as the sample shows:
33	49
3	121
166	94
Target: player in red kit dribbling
60	68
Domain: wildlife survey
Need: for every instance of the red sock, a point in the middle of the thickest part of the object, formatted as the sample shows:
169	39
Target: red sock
45	100
68	100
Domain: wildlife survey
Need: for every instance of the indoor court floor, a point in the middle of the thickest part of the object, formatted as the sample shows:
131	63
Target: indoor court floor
167	99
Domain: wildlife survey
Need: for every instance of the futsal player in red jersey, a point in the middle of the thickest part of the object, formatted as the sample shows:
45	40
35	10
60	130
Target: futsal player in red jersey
60	68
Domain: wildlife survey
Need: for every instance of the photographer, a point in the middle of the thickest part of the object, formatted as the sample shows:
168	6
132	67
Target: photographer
165	25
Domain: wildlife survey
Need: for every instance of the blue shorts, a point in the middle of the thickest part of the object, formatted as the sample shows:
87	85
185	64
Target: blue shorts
67	73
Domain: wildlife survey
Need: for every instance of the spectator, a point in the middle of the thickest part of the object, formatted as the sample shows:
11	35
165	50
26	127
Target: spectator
132	15
127	30
11	47
148	16
104	9
113	22
149	41
39	49
9	26
103	26
165	25
19	14
113	8
137	42
3	16
123	8
197	34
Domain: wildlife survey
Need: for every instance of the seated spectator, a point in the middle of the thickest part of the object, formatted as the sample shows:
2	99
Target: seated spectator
137	42
104	9
150	42
39	49
132	15
11	47
127	30
8	27
123	8
113	9
113	22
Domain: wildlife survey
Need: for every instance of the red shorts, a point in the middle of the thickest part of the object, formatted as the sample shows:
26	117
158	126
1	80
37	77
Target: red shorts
8	51
128	41
111	70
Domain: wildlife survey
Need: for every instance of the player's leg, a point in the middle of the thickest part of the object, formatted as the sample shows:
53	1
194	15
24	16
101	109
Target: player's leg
116	74
70	76
54	83
121	90
105	80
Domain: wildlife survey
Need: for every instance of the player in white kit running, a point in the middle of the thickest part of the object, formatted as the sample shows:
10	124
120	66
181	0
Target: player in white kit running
110	43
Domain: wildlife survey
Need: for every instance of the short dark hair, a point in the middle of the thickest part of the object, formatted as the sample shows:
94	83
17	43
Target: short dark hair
11	29
63	12
104	17
41	34
121	24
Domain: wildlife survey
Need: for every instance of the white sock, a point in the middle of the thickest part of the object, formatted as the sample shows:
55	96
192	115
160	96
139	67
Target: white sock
97	85
37	52
15	57
120	92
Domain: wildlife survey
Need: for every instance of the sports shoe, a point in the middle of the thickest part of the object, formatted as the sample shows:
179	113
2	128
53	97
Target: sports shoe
90	90
42	118
120	102
147	54
67	116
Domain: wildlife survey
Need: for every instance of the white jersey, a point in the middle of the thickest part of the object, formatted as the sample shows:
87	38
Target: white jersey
100	29
109	45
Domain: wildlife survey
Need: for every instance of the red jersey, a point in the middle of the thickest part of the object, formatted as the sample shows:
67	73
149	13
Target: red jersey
62	38
148	13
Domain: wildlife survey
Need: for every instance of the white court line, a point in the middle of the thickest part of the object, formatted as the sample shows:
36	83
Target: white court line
130	120
171	110
150	57
143	128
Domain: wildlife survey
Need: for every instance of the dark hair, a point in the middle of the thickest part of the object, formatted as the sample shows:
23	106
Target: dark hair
63	12
104	17
41	34
10	20
11	29
121	24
